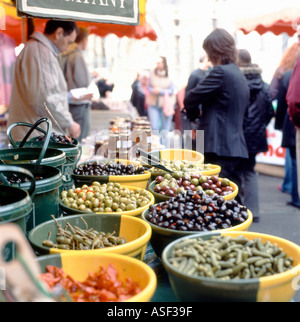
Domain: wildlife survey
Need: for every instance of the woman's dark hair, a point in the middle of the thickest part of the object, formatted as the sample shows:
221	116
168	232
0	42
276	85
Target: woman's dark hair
220	47
166	68
67	26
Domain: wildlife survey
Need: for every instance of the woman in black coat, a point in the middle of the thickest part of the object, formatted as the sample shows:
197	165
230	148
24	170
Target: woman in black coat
224	95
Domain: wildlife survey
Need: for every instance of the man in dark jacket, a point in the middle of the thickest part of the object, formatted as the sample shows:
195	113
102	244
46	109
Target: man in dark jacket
257	117
224	95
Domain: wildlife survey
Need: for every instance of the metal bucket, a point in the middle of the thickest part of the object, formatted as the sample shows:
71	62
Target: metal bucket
72	151
15	205
47	193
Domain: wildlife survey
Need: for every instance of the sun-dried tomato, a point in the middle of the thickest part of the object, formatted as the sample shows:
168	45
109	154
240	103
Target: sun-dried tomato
102	286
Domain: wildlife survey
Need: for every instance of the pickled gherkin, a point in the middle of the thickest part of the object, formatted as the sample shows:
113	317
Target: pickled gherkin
227	258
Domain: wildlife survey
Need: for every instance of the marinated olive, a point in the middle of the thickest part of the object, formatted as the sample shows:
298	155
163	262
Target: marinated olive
110	168
171	185
112	197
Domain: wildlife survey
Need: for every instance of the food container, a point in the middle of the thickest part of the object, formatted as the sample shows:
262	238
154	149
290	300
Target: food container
161	237
179	154
68	211
161	198
46	197
137	181
78	266
136	231
276	288
15	207
72	151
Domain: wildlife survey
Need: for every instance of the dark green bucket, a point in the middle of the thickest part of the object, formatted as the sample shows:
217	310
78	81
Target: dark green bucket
47	193
33	155
72	151
15	206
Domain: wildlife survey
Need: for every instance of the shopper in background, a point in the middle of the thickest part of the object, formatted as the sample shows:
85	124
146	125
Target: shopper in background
140	92
104	84
284	124
287	63
293	100
258	115
78	76
224	95
161	99
38	79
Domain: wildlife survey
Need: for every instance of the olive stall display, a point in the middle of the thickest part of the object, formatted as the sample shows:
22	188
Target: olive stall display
106	198
197	211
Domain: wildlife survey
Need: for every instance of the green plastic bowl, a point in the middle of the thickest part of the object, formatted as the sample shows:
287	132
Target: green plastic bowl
136	231
276	288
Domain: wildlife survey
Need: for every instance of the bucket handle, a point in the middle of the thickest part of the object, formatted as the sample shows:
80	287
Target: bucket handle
32	128
8	168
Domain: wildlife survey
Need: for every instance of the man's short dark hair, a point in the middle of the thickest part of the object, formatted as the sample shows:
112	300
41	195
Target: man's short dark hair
67	26
244	57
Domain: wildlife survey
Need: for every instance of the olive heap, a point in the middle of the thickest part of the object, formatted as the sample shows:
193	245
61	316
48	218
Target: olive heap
108	169
17	179
181	165
105	198
197	211
56	138
170	185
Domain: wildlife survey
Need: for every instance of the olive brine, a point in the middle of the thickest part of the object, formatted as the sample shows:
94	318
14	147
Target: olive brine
197	211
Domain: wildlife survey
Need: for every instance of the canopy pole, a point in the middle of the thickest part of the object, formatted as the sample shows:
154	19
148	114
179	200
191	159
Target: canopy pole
23	31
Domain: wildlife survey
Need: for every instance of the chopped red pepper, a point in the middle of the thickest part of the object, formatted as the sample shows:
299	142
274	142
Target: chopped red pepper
102	286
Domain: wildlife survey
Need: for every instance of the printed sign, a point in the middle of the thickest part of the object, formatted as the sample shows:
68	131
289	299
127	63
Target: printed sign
276	153
105	11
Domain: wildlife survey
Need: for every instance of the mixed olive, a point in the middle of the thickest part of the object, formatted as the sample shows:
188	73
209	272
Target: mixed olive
170	185
181	165
105	198
197	211
56	138
111	168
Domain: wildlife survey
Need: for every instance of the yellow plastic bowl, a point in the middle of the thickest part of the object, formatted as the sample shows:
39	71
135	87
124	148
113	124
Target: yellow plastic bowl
276	288
180	154
161	198
136	231
138	181
79	265
161	237
67	211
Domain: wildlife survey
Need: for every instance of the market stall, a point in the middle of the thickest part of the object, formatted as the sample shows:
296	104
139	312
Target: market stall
140	224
